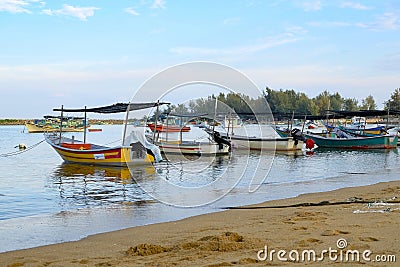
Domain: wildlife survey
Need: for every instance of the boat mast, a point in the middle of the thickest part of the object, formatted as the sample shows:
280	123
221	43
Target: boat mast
292	121
166	133
155	122
126	124
84	128
304	122
61	119
229	122
215	113
387	119
181	127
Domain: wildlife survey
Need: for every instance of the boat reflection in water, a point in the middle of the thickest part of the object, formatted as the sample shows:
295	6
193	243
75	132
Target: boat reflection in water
88	186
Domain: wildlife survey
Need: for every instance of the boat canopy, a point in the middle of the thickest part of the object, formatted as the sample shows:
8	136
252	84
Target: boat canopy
64	118
337	114
282	116
365	113
115	108
187	115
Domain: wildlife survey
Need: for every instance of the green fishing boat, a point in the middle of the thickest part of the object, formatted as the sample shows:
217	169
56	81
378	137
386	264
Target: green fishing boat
349	142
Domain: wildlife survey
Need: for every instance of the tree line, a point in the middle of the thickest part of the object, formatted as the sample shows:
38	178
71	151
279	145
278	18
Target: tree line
281	102
284	101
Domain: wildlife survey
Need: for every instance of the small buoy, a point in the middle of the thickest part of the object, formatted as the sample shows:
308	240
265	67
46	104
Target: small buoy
310	144
22	146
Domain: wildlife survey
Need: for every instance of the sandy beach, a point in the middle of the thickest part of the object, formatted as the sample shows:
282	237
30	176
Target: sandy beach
358	225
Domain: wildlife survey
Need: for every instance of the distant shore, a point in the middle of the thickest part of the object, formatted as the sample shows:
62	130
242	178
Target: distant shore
91	122
352	220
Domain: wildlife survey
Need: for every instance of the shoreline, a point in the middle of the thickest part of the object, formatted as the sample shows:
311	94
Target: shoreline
22	122
235	236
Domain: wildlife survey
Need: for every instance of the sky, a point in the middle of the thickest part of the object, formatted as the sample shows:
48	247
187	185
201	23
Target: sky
98	52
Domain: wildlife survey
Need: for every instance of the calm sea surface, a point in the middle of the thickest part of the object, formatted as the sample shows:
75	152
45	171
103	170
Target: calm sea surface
45	201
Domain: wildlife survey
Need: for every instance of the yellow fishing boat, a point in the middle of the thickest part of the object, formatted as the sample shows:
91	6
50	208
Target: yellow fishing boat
134	150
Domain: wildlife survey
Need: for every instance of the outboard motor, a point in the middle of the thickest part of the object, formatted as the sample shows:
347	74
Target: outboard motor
296	134
221	141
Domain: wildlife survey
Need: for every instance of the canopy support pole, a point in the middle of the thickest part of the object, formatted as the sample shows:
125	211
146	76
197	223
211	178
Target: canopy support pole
155	122
304	122
61	120
84	128
125	126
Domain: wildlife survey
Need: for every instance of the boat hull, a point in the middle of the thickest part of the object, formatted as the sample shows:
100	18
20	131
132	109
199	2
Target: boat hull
32	128
372	130
373	142
168	128
268	144
78	152
193	148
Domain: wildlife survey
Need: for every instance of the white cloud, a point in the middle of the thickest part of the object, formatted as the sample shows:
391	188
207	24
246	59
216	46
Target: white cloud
15	6
81	13
158	4
387	21
295	31
231	21
329	24
312	5
291	35
131	11
354	5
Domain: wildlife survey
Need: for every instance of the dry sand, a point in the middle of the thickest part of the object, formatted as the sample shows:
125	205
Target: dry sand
235	236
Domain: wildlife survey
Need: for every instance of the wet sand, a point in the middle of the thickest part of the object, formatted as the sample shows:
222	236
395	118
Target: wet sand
234	237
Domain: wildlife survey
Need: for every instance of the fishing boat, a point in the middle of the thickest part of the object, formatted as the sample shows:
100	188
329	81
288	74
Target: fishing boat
193	148
333	140
269	144
214	145
160	127
359	133
311	125
294	142
85	153
371	130
95	129
358	121
53	123
232	122
135	149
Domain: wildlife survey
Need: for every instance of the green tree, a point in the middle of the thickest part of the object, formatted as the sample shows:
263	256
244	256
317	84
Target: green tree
305	105
322	102
350	104
336	101
368	103
325	101
394	102
181	109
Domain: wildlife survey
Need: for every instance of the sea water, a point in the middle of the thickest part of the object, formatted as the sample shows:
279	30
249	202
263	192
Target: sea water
44	200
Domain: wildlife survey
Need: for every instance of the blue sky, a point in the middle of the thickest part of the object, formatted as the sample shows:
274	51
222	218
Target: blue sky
99	52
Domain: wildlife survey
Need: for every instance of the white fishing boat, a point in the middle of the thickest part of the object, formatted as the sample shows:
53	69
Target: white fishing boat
268	144
193	148
177	143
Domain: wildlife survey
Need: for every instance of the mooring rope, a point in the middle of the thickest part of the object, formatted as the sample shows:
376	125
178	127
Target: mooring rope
311	204
10	154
